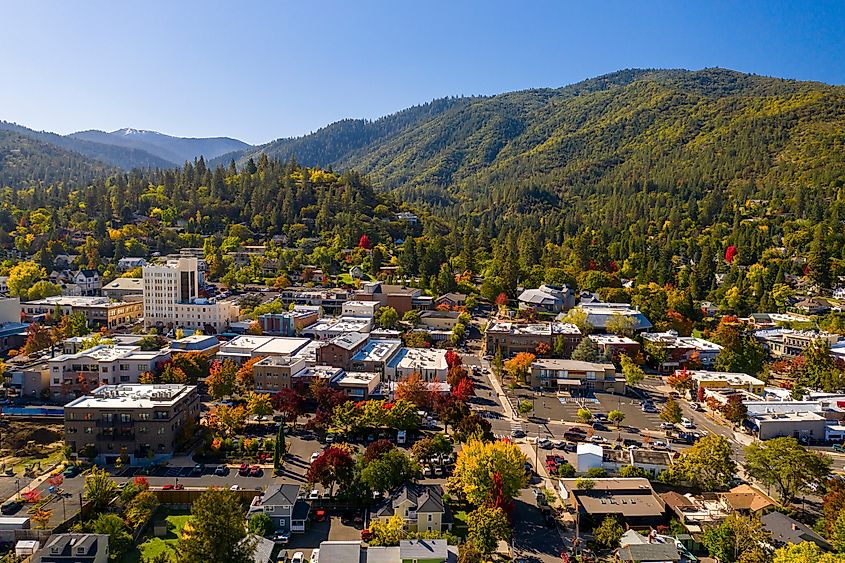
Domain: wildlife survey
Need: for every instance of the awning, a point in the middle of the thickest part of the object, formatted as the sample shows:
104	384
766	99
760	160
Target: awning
569	382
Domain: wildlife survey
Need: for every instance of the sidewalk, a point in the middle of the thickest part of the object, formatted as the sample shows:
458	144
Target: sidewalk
503	398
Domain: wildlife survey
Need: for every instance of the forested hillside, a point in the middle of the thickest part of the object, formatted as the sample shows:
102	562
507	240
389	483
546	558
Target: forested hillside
24	160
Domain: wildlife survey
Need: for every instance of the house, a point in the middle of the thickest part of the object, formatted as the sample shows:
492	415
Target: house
696	512
130	263
345	552
682	351
88	281
421	506
653	548
599	313
74	548
631	499
785	530
263	548
408	217
746	499
423	551
281	504
451	300
814	306
547	298
356	273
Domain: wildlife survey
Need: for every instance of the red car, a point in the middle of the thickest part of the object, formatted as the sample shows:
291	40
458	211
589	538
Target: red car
243	470
255	471
171	486
366	534
320	515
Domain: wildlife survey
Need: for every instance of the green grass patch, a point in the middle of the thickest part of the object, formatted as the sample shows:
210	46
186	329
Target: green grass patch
152	546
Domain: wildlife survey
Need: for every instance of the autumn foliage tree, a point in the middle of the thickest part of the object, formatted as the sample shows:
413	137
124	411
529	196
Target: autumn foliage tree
519	366
412	388
245	376
221	378
681	381
333	466
464	390
290	403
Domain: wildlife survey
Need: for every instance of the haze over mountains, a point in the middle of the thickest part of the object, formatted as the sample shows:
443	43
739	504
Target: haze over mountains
668	127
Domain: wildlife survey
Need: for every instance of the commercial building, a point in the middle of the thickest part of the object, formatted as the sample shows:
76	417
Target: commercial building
98	311
326	329
142	422
247	346
274	373
613	346
512	338
73	375
121	287
206	345
74	548
171	299
430	363
340	350
329	300
598	314
400	297
726	380
358	385
805	426
788	343
365	309
632	500
374	355
289	323
575	377
681	351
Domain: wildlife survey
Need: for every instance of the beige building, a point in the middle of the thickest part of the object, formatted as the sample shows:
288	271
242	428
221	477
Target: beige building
513	338
274	373
142	422
121	287
358	385
171	299
575	376
98	311
74	375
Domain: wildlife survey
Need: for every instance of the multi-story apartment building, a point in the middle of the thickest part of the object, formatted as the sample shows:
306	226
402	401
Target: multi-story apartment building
400	297
73	375
142	422
513	338
98	311
575	376
171	299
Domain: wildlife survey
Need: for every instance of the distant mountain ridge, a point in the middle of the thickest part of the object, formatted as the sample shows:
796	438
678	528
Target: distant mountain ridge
132	148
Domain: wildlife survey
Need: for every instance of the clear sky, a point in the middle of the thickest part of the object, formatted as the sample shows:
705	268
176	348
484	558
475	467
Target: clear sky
262	70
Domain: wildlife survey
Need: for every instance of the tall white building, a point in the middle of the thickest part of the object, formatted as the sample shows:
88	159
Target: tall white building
171	299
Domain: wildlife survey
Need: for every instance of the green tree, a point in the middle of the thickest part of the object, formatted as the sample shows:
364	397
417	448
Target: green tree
608	533
586	351
100	489
486	526
22	277
387	317
616	417
786	466
389	471
633	373
818	260
218	530
583	416
805	552
738	538
739	353
708	464
621	325
141	508
120	540
578	317
411	317
43	289
671	411
820	370
260	524
524	407
634	471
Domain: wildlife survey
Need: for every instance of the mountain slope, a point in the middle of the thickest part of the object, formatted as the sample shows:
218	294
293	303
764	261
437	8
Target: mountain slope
24	159
636	127
121	157
175	150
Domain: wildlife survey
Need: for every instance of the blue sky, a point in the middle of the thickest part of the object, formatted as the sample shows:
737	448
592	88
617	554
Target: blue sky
263	70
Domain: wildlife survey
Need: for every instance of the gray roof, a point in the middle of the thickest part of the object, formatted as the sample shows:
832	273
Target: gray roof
539	297
645	552
65	544
342	552
263	549
280	494
422	549
350	341
786	530
426	498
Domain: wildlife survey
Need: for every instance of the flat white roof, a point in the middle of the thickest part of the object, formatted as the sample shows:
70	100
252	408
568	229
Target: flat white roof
356	378
611	339
258	345
728	377
76	301
377	350
137	396
342	324
110	353
419	358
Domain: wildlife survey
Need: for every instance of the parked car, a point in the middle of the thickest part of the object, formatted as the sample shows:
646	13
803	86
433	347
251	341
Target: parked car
426	471
600	416
243	470
71	471
687	423
667	426
320	515
544	443
281	537
314	494
697	407
597	439
599	426
839	448
314	456
256	471
11	507
517	433
298	557
221	471
198	469
366	535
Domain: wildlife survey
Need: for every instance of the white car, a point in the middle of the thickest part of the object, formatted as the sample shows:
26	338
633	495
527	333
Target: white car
298	557
598	439
687	423
314	456
315	556
233	488
314	494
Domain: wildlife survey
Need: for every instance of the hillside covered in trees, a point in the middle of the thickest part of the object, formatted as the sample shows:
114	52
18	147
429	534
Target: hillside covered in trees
645	175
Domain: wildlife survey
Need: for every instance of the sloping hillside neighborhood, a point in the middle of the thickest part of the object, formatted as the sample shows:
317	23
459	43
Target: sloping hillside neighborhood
374	421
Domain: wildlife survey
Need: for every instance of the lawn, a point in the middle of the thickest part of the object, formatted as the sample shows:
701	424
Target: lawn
152	546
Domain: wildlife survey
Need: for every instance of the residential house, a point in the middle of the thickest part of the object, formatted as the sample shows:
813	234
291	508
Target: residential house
130	263
281	503
74	548
746	499
262	551
547	298
636	548
420	506
814	306
88	281
785	530
451	300
631	499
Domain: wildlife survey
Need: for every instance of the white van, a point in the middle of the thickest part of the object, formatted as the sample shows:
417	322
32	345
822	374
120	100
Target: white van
687	423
